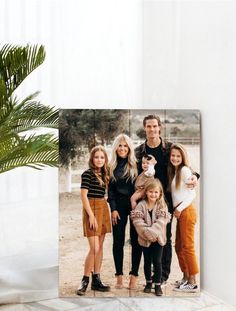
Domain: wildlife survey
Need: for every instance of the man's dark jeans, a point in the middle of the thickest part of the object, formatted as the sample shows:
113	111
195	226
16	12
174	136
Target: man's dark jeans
167	254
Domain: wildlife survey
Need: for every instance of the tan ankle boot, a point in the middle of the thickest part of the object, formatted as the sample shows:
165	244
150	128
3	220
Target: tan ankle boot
132	282
119	282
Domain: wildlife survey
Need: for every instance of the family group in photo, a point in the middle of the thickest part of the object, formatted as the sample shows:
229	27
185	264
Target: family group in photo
146	186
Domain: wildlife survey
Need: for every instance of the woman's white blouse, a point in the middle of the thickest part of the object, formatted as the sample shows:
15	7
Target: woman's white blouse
183	195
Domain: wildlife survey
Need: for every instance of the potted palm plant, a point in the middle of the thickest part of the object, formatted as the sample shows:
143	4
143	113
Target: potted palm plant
20	143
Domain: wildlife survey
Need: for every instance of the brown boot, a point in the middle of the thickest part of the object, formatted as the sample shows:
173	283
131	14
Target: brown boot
119	282
132	282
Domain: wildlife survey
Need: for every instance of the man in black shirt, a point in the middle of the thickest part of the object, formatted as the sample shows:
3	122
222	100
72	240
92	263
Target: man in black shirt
160	149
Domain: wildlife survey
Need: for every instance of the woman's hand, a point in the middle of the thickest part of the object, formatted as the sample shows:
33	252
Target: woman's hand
93	223
114	217
177	214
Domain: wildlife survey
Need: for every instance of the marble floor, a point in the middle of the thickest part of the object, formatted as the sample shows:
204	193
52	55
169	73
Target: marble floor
34	286
205	302
30	288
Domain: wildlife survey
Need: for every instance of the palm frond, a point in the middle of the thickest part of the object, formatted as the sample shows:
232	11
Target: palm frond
38	161
18	117
34	115
17	62
28	115
34	151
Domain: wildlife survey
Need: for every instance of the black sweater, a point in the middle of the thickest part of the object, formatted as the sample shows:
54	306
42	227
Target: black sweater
120	187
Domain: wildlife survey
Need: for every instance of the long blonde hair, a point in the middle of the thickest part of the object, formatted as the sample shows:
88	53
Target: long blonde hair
171	171
156	184
130	171
104	177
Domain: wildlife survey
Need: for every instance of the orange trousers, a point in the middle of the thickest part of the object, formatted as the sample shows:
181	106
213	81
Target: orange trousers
184	242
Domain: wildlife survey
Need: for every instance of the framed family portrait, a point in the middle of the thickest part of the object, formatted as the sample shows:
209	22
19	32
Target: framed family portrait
129	203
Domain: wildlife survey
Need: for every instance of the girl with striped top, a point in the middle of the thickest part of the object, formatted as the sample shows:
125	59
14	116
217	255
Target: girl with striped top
96	217
182	197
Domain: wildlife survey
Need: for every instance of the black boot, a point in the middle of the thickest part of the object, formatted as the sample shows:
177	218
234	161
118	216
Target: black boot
148	287
158	290
98	285
84	284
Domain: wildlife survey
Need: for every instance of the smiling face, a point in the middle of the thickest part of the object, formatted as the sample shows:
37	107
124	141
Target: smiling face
153	194
148	160
145	165
175	157
122	149
99	159
152	129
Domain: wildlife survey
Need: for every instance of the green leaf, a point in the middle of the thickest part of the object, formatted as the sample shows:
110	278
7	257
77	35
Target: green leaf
18	117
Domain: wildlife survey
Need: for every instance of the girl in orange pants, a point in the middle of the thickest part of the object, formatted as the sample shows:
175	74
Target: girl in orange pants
184	211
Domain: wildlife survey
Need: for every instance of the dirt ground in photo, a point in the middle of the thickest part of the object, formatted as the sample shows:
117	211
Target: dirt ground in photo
73	248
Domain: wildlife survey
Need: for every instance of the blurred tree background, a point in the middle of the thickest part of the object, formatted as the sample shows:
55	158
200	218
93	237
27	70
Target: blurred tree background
81	129
175	123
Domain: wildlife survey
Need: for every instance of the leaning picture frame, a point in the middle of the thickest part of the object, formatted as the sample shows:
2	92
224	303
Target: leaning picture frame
80	130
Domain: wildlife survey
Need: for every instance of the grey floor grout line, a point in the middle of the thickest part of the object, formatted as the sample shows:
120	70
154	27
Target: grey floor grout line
39	306
76	304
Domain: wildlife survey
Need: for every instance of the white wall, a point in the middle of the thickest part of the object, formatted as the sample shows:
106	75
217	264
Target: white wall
28	211
94	59
138	54
94	49
189	62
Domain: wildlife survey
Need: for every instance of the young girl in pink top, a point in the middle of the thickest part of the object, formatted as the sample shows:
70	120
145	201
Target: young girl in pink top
150	218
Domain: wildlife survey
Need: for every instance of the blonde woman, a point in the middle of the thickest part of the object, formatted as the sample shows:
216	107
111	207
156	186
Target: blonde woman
96	218
123	172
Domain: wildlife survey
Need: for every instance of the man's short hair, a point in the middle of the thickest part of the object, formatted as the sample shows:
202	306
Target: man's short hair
151	117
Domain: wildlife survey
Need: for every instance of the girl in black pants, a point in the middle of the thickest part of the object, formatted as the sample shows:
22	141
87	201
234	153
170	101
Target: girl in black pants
150	218
123	171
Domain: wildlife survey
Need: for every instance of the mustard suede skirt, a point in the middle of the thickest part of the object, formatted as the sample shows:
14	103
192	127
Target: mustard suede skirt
101	212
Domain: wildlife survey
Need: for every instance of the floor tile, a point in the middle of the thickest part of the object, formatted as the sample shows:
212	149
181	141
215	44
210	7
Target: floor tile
58	304
17	307
205	302
220	307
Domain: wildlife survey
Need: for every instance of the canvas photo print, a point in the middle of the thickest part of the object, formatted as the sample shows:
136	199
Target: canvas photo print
129	203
